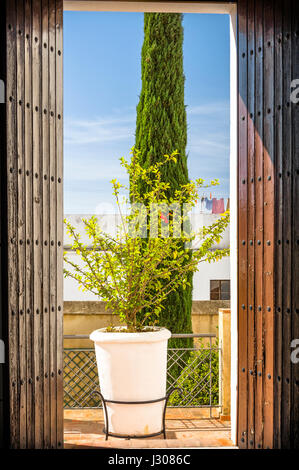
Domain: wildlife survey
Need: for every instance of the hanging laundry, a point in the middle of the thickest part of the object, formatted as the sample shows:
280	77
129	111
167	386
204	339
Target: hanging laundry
202	204
217	206
221	205
209	205
214	206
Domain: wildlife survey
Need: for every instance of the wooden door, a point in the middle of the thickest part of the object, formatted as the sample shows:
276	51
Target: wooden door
268	232
35	221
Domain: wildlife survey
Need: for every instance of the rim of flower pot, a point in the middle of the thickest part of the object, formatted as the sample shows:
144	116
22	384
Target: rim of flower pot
103	336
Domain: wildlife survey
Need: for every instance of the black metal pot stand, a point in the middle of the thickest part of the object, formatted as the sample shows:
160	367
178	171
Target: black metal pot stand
131	436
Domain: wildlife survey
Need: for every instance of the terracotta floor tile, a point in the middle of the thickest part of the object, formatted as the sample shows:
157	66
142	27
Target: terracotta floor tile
186	428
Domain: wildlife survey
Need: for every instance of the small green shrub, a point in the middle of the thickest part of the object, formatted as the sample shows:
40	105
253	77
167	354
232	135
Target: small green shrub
133	277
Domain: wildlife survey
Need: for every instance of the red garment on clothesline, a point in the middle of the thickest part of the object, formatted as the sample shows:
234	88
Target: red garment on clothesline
218	206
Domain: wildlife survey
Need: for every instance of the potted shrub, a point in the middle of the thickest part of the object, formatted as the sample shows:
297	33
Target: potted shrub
133	272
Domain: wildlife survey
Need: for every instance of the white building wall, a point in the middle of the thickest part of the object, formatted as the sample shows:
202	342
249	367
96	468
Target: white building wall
207	272
71	287
201	280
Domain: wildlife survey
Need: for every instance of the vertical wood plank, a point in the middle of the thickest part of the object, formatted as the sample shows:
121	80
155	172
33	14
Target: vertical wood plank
278	216
59	217
259	236
37	227
46	223
28	225
287	226
242	228
53	224
12	214
251	224
268	247
21	221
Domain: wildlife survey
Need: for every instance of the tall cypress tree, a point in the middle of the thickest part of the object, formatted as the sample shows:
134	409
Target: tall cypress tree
161	128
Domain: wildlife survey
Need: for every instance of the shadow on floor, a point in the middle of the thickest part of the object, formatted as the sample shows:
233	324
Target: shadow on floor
83	429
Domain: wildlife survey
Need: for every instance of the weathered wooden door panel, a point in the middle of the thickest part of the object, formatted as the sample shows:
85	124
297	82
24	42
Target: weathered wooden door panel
268	35
35	213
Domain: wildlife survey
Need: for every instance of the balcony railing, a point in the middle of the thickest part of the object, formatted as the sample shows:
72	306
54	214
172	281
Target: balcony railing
194	369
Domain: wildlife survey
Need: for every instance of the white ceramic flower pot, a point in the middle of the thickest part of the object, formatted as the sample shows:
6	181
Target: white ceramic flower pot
132	367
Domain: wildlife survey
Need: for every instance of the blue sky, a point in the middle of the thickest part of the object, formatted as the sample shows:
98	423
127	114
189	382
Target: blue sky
102	82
